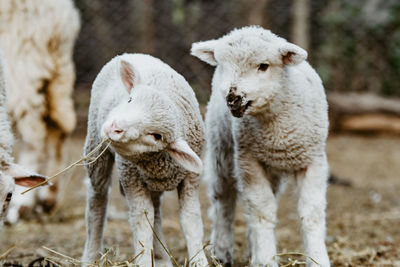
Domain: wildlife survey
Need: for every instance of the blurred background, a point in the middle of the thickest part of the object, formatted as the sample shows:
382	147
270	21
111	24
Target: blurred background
355	48
354	45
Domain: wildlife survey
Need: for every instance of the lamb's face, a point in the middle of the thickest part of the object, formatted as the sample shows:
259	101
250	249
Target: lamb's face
15	174
140	122
251	66
147	121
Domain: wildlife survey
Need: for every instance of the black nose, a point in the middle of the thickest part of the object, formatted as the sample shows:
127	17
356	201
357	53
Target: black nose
233	100
235	103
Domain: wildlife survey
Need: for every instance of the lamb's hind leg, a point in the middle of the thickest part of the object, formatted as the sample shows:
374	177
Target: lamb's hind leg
160	255
222	195
312	185
99	174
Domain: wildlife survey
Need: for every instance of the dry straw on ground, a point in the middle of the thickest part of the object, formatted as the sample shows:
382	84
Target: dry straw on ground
110	257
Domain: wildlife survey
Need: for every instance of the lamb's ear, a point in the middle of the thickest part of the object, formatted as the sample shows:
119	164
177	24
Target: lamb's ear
185	156
292	54
24	177
129	75
205	51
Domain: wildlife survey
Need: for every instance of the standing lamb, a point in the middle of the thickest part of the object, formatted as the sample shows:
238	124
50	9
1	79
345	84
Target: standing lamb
277	132
150	114
37	38
9	172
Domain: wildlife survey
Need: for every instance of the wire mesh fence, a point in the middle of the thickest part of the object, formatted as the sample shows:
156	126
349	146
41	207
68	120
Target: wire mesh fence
354	45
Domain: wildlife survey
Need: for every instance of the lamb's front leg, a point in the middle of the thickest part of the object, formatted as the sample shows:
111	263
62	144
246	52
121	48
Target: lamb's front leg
260	209
99	175
141	217
191	222
96	210
312	184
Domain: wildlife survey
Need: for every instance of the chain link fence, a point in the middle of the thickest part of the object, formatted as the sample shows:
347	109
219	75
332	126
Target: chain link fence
354	45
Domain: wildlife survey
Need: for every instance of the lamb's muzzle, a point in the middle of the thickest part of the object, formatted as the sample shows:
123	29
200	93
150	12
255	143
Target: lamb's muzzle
114	132
236	103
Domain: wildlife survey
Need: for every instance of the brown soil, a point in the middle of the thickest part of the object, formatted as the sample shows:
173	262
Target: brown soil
363	219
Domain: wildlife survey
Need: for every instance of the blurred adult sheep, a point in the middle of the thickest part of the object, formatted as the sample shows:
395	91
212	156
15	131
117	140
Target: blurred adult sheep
10	173
37	38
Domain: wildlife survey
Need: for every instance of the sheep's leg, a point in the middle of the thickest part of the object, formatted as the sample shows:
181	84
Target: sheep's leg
191	222
312	184
48	196
99	174
141	211
61	86
160	255
222	194
260	209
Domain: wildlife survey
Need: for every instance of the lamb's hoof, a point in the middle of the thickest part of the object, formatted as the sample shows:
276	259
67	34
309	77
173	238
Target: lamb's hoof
48	205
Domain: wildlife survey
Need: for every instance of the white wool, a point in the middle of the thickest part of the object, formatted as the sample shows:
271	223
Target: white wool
37	38
278	132
6	142
152	117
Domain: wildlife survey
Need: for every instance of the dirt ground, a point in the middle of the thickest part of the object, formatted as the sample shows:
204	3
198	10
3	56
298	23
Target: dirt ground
363	219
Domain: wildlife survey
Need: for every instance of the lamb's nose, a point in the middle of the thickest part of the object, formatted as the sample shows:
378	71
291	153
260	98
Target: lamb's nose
233	100
114	132
236	102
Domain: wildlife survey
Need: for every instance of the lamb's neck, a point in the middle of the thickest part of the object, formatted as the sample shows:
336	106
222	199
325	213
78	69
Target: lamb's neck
278	105
156	165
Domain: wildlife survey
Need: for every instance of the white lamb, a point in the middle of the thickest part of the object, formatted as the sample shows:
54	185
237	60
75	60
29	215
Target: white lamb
150	114
277	132
10	173
37	38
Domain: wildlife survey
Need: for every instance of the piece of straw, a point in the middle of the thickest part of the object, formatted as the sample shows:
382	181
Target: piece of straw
295	254
5	254
87	156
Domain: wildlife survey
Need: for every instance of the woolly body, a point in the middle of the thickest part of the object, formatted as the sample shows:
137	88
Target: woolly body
37	38
157	109
278	131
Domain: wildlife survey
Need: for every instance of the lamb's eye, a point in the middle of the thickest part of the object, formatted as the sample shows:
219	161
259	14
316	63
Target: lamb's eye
9	196
130	99
263	67
157	136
